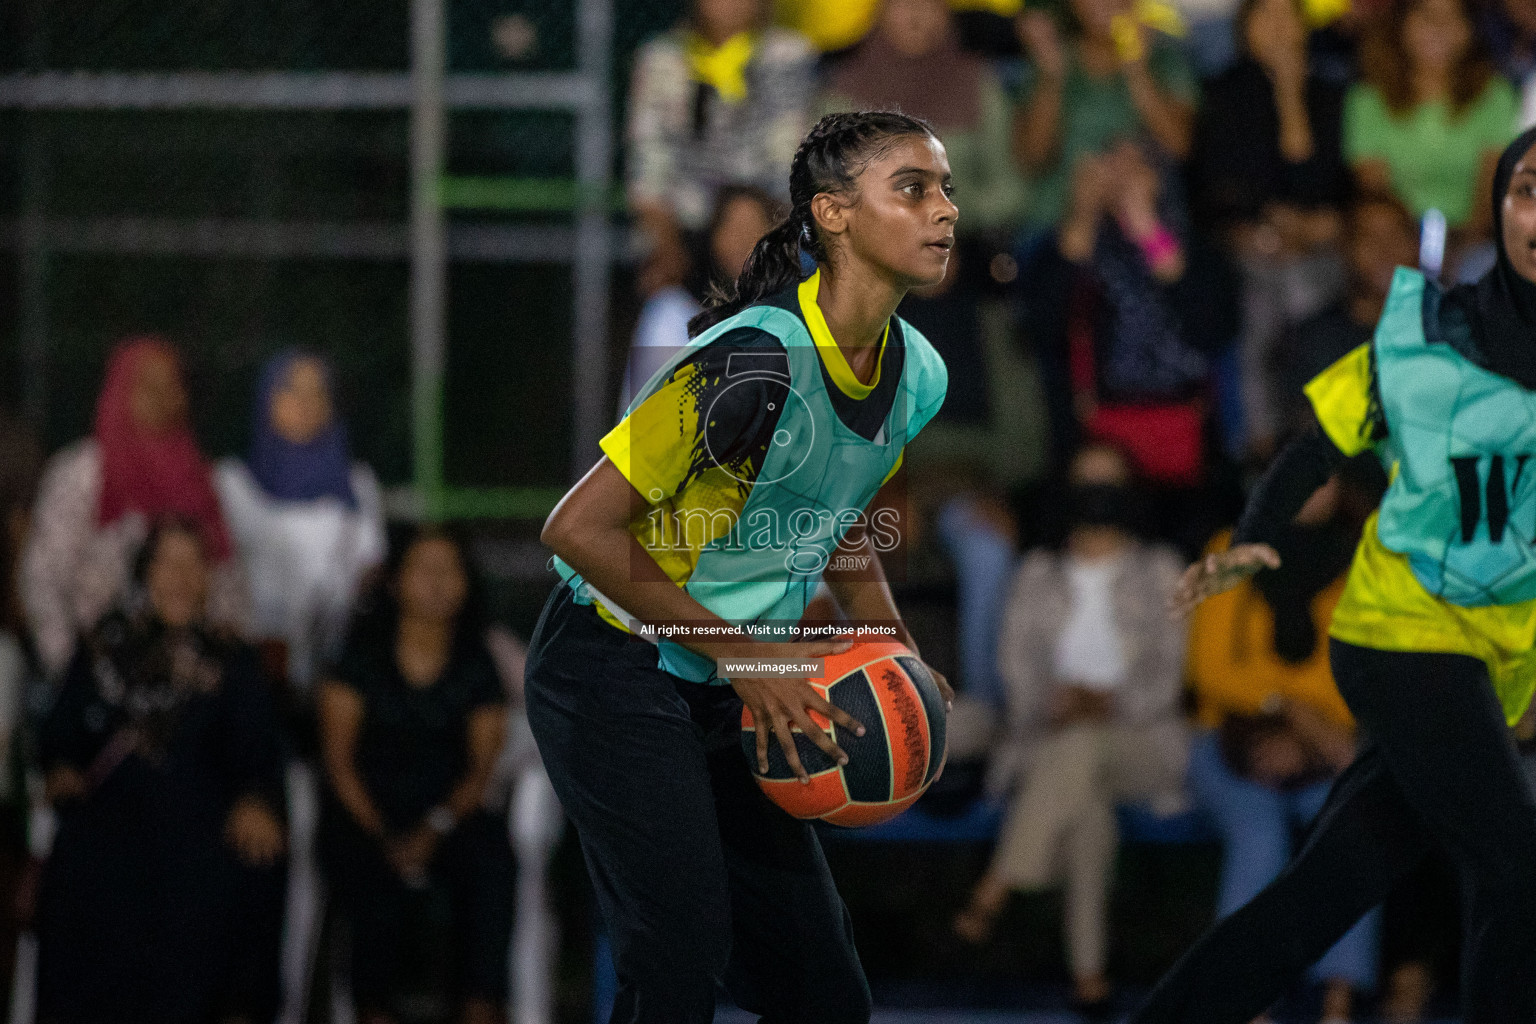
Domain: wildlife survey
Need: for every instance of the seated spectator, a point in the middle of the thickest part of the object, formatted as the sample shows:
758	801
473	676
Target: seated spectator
307	520
913	62
162	758
1275	730
308	523
1092	669
1429	120
742	215
1124	310
1379	237
411	723
1110	81
722	100
1270	180
99	495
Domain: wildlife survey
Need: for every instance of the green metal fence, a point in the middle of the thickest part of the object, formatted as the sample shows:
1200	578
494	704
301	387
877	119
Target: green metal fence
240	177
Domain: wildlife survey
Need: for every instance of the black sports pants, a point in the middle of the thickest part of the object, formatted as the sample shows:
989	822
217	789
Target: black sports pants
700	878
1437	766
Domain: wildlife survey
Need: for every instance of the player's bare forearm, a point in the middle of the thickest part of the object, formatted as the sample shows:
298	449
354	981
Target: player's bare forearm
589	530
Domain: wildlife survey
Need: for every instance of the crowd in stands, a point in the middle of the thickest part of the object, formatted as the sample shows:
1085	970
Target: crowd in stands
250	743
247	735
1172	216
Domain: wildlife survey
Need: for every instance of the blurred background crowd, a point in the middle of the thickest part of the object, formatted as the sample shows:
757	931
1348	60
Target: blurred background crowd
261	749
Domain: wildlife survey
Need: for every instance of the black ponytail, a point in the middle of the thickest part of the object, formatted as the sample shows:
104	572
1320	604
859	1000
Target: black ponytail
828	160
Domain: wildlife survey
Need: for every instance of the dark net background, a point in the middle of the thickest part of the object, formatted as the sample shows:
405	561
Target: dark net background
90	173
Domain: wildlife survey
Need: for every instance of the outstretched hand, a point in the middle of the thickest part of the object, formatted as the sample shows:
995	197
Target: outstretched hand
1219	572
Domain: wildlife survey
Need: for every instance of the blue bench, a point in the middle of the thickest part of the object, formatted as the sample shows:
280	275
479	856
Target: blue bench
979	823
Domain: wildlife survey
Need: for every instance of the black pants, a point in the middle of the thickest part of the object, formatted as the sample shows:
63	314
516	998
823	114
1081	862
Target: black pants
700	878
1437	768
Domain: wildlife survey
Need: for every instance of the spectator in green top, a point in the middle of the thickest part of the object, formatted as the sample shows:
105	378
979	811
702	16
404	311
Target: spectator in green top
1110	80
1430	118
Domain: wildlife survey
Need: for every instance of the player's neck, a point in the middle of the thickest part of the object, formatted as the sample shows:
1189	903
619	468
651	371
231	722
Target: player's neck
858	304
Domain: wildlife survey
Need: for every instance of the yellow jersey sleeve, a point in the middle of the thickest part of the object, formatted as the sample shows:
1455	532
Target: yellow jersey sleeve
665	447
656	444
1342	396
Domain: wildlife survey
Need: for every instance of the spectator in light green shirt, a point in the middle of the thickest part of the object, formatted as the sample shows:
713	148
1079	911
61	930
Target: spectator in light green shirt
1092	90
1431	117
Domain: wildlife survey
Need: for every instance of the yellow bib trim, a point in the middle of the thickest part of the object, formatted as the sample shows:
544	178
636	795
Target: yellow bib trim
826	346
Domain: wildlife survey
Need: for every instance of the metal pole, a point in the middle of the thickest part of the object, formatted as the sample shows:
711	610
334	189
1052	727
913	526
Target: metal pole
32	330
428	253
590	272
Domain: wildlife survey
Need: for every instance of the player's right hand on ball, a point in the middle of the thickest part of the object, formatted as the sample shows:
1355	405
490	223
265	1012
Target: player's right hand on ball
1219	572
786	702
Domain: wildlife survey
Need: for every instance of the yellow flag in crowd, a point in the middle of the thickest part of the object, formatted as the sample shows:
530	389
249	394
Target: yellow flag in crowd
1324	12
1153	14
838	24
723	66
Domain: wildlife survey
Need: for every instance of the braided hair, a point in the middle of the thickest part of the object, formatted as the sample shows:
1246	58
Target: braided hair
828	160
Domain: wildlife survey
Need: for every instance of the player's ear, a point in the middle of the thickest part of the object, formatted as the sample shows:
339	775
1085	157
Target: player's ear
831	215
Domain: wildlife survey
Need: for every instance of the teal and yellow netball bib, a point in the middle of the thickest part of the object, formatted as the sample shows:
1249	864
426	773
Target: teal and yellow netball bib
765	556
1460	446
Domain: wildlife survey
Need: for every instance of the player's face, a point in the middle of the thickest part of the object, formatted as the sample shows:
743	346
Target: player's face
903	222
1520	217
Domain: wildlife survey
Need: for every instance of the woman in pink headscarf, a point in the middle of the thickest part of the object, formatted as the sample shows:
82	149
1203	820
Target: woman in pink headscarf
100	495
